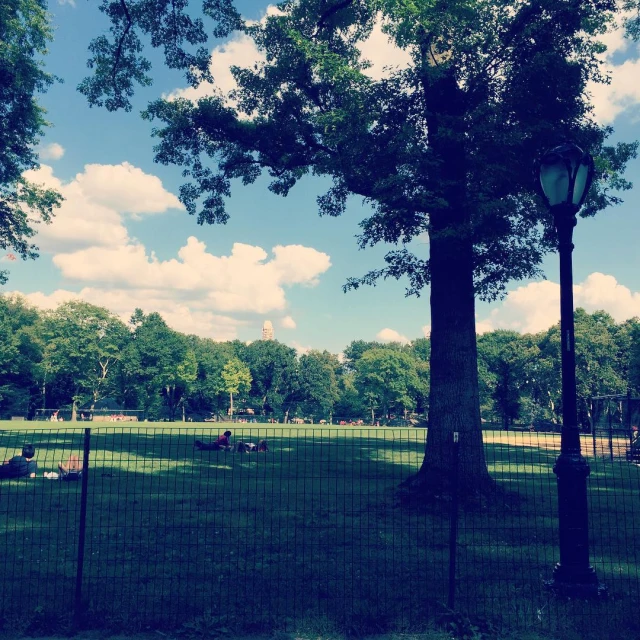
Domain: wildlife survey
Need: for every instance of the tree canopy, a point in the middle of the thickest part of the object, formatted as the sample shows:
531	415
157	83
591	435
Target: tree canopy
24	34
80	354
442	145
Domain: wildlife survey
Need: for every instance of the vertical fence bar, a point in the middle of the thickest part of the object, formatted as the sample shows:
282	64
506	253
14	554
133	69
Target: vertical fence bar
453	528
593	427
610	435
82	525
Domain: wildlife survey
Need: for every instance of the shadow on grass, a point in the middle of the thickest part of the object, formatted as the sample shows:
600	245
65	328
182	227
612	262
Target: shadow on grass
309	530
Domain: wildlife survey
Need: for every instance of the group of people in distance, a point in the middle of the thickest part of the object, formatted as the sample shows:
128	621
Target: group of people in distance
223	443
23	465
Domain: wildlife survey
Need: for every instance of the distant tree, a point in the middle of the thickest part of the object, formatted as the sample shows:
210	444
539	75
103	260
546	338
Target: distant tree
166	366
505	356
20	356
82	344
634	357
274	371
207	393
350	403
420	350
388	380
623	339
318	384
443	146
24	34
236	379
598	369
355	350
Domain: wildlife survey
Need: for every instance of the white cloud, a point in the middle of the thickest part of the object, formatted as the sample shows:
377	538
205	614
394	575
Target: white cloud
301	349
95	202
288	323
48	301
382	53
391	335
53	151
125	189
246	279
195	291
71	3
426	330
623	92
179	316
536	306
240	51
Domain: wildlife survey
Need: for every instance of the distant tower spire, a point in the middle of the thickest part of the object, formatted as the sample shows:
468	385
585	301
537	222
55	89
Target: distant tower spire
267	330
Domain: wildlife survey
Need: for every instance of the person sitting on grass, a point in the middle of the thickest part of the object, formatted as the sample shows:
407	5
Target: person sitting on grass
20	466
72	470
221	444
262	446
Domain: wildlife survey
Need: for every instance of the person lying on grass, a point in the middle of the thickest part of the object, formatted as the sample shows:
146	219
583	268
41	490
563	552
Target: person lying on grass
20	466
72	470
221	444
248	447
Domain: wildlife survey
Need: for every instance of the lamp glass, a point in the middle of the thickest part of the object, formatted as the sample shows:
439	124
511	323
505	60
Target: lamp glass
554	179
582	176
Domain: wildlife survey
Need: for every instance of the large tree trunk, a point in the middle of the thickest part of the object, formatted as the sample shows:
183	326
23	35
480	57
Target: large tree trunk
454	403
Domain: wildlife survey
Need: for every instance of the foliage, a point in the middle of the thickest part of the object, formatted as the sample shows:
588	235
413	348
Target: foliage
162	362
80	353
274	373
318	384
388	380
20	356
504	357
441	146
236	378
82	342
24	34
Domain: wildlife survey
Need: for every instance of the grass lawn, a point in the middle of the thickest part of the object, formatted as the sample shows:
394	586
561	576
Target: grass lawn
308	536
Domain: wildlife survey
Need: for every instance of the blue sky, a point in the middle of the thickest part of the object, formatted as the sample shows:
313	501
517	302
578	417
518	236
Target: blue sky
122	239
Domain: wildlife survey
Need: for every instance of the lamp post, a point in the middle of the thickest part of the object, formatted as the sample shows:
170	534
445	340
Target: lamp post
565	175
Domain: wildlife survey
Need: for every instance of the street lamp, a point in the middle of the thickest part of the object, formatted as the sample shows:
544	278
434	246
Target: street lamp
565	175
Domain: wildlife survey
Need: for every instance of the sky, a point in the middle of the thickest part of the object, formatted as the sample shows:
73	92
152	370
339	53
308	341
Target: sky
123	240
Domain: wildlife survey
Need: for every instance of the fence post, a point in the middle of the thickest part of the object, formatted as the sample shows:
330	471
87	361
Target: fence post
593	428
82	525
610	435
453	524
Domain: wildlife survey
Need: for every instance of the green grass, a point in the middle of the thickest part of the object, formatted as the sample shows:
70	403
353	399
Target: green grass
308	536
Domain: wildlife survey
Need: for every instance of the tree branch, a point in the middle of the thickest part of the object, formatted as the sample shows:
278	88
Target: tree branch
330	12
116	61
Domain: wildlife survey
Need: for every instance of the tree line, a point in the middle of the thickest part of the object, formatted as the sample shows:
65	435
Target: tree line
79	354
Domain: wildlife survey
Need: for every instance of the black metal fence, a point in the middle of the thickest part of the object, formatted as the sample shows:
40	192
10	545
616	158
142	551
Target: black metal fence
157	533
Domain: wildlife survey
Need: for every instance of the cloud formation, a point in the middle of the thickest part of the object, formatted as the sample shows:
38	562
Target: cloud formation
382	53
536	307
179	316
96	201
246	280
196	291
623	92
391	335
288	323
53	151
